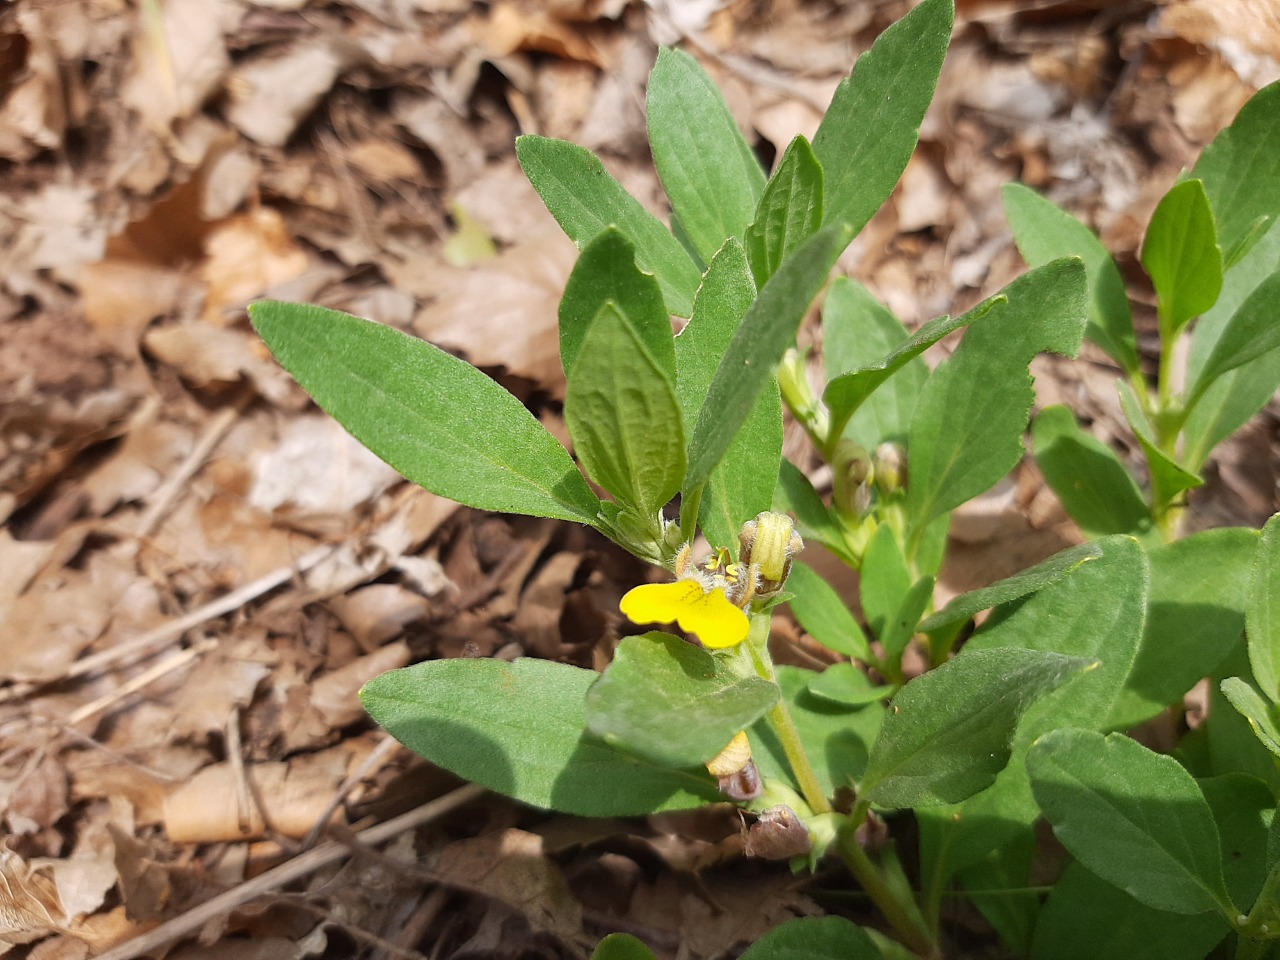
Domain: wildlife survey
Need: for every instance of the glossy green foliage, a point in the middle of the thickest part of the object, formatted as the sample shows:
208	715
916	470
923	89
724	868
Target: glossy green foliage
1181	255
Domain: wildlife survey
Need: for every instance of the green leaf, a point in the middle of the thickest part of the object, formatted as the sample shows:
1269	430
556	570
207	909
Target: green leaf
1095	488
764	335
795	495
790	210
1045	232
671	702
1236	396
623	416
824	615
606	272
1119	927
622	946
1199	588
836	737
1180	253
966	432
585	200
814	938
743	484
1243	808
1020	585
884	581
1168	478
1250	333
518	728
845	684
901	627
437	419
1262	615
1230	743
1238	169
1257	230
1260	714
948	732
864	345
1133	817
709	173
870	130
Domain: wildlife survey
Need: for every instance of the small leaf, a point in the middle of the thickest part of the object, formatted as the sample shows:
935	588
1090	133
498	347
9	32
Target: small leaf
966	432
836	737
1029	581
1250	333
1260	714
671	702
585	200
1095	488
870	130
845	684
709	173
1237	167
901	627
884	581
622	946
623	416
437	419
607	273
1262	616
519	729
743	484
824	615
1243	808
814	938
790	210
764	335
947	733
1045	232
1180	253
1168	477
1133	817
795	495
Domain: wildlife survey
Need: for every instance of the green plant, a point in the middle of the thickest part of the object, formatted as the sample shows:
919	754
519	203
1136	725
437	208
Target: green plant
986	740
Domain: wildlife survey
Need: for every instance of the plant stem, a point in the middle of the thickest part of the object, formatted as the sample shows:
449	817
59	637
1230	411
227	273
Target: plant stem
780	717
905	920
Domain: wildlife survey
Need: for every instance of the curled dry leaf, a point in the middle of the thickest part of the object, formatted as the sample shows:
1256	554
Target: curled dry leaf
334	695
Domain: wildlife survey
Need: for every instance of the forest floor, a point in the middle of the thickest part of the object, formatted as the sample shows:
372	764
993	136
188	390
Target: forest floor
198	570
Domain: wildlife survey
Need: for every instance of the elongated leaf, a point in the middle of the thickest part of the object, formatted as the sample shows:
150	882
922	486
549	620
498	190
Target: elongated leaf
623	416
884	581
1199	589
1133	817
949	730
622	946
1044	232
1020	585
519	729
795	495
1093	485
1180	253
1237	169
672	702
836	737
1257	711
607	273
790	210
710	174
1243	807
1234	397
1168	478
871	128
824	615
743	484
585	199
1250	333
966	432
1119	927
764	335
845	684
437	419
814	938
862	348
1262	615
901	627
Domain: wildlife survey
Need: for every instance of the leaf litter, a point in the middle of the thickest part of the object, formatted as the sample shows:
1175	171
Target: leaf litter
198	572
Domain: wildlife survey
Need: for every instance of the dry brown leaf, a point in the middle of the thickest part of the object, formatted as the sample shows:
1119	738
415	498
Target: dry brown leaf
32	117
513	27
1245	33
29	904
210	694
39	799
448	135
335	695
271	92
246	256
379	612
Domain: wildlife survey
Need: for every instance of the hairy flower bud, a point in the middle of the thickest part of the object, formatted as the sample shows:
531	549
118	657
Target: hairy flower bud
769	543
890	467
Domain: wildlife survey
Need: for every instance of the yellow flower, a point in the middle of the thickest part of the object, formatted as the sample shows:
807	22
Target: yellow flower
707	613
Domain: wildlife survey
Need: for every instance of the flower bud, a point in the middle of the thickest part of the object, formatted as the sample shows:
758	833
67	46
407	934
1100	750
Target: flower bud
769	543
793	381
732	758
778	834
890	467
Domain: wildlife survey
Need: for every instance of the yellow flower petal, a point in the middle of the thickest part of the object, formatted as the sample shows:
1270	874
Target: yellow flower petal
732	758
716	621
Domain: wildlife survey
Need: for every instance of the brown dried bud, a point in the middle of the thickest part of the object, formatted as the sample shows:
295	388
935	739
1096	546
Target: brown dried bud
778	834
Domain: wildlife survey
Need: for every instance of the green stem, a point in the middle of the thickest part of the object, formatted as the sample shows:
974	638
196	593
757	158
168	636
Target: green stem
1247	949
780	717
905	919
